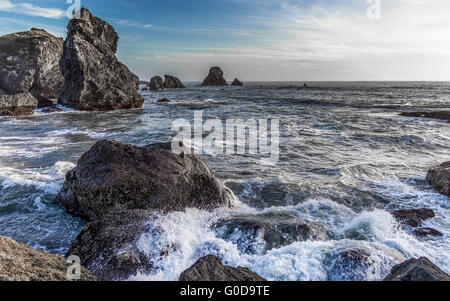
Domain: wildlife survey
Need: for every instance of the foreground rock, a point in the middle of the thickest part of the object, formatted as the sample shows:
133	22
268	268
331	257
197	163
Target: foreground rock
440	178
237	83
156	83
421	269
414	217
164	100
172	82
94	79
112	176
215	78
17	104
210	268
29	63
21	263
442	115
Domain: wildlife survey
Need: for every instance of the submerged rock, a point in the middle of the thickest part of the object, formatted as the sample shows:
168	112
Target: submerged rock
442	115
421	269
29	63
440	177
172	82
414	217
94	79
237	83
21	263
215	78
210	268
156	83
17	104
114	176
164	100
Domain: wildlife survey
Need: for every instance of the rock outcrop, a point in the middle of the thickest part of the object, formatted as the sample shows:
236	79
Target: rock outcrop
237	83
156	83
29	67
215	78
210	268
441	115
440	178
112	177
17	104
94	79
172	82
421	269
21	263
414	217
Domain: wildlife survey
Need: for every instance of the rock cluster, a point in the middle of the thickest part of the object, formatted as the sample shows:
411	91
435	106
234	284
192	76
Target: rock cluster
440	177
421	269
215	78
94	79
169	82
414	218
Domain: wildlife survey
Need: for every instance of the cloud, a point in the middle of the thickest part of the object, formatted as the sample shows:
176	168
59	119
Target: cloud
31	10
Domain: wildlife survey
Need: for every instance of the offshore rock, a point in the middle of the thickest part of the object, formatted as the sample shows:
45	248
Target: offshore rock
156	83
237	83
172	82
215	78
440	177
414	217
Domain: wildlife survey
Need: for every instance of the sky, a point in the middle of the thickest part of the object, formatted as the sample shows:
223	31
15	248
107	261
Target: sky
264	40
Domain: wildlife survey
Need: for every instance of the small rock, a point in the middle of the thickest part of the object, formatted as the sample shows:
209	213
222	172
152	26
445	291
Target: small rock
414	217
350	265
237	83
442	115
164	100
421	269
215	78
424	232
51	109
440	178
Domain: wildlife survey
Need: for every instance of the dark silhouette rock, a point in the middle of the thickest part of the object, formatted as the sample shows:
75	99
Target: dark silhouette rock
156	83
21	263
171	82
421	269
210	268
112	177
425	232
17	104
442	115
164	100
94	79
215	78
29	63
440	177
237	83
414	217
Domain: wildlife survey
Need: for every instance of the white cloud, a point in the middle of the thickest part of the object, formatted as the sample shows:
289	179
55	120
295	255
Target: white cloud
31	10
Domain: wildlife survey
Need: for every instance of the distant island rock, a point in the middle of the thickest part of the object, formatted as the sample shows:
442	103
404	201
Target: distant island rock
237	83
94	79
169	82
156	83
215	78
29	68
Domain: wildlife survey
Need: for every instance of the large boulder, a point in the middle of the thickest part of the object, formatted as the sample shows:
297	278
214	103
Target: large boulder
413	217
114	176
440	177
29	63
21	263
421	269
215	78
172	82
156	83
17	104
237	83
94	79
210	268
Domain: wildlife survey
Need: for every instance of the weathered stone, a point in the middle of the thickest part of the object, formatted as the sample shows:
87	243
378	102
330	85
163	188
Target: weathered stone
237	83
421	269
414	217
440	177
171	82
21	263
94	79
215	78
210	268
17	104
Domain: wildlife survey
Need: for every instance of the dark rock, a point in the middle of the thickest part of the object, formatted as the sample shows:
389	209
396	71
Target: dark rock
421	269
425	232
237	83
94	79
114	176
215	78
210	268
171	82
156	83
145	89
350	265
21	263
29	63
164	100
51	109
107	246
414	217
440	178
17	104
143	82
442	115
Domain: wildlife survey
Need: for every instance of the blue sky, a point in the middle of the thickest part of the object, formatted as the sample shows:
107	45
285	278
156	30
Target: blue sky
264	39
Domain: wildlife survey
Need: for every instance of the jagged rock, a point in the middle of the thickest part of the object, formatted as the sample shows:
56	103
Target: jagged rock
29	63
17	104
171	82
156	83
421	269
215	78
425	232
442	115
350	265
440	178
414	217
164	100
210	268
94	79
114	176
237	83
21	263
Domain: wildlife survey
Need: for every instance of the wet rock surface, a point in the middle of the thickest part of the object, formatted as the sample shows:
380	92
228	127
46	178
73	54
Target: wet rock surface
421	269
215	78
439	176
414	217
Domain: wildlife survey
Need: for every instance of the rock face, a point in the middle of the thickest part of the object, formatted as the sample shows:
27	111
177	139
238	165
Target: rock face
215	78
29	63
413	218
17	104
112	176
94	79
21	263
210	268
237	83
440	178
421	269
171	82
442	115
156	83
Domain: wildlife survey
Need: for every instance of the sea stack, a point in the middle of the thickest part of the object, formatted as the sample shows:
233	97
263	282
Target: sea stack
29	71
172	82
237	83
94	79
156	83
215	78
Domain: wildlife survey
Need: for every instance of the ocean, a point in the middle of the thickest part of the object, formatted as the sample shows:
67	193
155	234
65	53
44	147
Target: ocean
346	160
